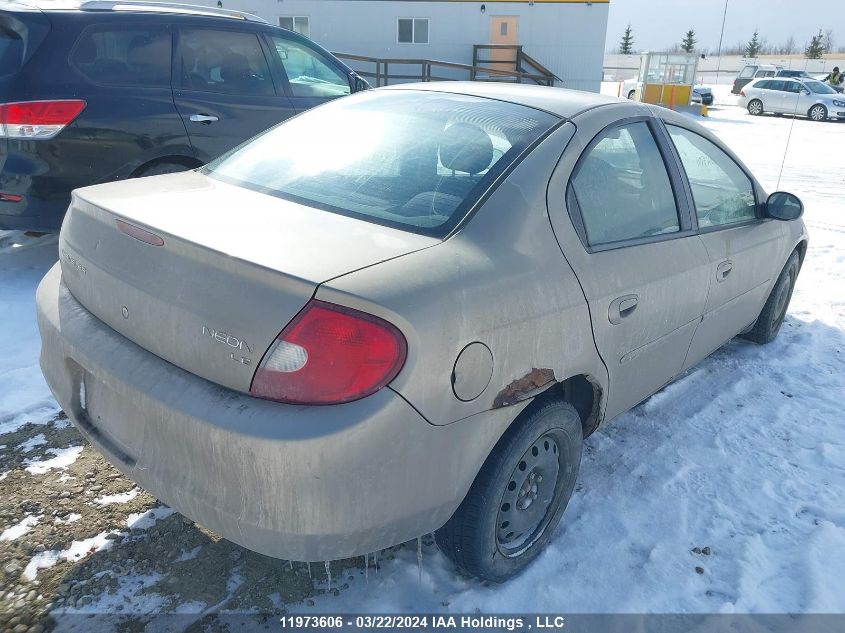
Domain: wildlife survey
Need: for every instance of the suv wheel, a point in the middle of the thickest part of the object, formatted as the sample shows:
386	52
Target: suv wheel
518	497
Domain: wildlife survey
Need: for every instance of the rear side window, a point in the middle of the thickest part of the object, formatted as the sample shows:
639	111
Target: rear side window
415	160
747	72
11	51
722	192
124	55
228	62
622	187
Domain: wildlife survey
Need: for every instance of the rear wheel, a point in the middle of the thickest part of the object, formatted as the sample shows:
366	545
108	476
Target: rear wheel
818	112
755	107
767	326
631	94
518	497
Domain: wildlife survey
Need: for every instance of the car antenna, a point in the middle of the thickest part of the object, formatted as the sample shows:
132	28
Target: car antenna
789	134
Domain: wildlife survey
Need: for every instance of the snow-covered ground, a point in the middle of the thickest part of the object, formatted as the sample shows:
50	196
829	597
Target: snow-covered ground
725	492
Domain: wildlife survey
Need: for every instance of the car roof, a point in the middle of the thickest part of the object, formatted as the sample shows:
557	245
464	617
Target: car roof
560	101
129	7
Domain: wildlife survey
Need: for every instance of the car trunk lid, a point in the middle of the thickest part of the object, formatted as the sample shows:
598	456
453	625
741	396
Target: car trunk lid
205	274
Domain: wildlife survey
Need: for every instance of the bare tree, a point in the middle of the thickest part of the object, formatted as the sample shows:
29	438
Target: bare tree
828	42
787	48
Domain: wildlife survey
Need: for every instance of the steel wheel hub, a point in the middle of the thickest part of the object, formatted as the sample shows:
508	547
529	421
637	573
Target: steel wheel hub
524	508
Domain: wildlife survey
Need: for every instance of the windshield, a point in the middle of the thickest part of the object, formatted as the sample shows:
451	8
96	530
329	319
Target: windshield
819	88
415	160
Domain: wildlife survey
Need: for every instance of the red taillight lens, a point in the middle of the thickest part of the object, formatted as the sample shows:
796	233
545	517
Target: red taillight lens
742	93
330	354
37	119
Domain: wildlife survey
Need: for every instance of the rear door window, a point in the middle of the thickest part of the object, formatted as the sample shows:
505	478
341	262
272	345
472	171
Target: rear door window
228	62
124	55
11	51
623	188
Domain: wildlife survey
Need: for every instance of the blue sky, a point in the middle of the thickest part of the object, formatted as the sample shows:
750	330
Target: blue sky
657	24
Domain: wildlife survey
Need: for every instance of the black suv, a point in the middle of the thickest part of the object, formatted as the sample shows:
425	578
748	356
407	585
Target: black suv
112	90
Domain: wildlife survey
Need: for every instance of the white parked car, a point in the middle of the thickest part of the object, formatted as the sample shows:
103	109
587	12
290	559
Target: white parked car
805	97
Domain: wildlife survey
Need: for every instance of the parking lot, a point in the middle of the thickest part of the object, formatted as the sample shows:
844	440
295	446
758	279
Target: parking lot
721	493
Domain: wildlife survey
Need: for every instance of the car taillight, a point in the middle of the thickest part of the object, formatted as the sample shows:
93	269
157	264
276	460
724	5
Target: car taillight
330	354
742	93
37	119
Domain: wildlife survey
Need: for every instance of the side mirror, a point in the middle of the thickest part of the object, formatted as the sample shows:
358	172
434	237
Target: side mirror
805	91
784	206
358	83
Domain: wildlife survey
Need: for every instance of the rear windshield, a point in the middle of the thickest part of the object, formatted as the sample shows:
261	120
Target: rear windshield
414	160
11	51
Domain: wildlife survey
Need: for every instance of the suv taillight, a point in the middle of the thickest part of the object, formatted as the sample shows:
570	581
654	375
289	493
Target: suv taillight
37	119
742	93
330	354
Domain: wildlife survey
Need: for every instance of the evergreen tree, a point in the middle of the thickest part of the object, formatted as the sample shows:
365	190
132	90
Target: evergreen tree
626	46
815	49
753	47
688	43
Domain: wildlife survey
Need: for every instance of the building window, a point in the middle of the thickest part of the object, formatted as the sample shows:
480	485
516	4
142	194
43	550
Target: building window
296	23
503	29
412	31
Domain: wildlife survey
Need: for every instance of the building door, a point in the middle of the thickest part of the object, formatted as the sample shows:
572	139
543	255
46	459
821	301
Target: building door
504	30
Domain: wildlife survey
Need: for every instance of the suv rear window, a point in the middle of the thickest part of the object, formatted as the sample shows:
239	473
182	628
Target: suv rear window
124	55
415	160
11	51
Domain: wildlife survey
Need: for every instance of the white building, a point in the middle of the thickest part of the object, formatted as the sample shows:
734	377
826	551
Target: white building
565	36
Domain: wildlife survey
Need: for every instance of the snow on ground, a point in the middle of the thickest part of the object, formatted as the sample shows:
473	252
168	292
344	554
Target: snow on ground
120	497
24	394
19	529
63	457
76	551
722	493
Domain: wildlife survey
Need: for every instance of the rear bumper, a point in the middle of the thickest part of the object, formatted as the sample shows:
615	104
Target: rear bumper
295	482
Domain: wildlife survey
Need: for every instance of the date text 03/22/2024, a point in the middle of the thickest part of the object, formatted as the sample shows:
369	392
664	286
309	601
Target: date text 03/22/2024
436	622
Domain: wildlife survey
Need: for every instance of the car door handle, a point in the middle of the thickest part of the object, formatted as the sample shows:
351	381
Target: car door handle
622	307
204	118
723	270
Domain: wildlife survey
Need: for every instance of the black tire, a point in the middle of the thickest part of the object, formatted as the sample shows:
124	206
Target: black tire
817	113
767	326
755	107
545	438
157	169
632	94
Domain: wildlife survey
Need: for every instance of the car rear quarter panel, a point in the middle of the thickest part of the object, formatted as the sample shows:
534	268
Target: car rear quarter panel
502	281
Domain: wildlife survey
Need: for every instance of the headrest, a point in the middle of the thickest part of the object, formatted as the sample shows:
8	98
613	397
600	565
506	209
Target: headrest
466	148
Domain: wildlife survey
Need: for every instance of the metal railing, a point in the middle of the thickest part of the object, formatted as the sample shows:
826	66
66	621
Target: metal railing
521	62
382	75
